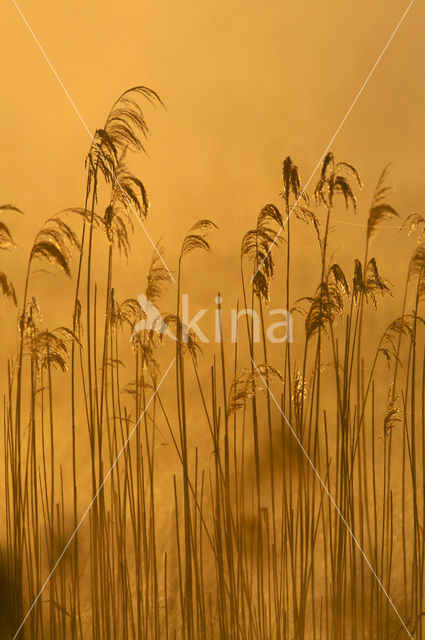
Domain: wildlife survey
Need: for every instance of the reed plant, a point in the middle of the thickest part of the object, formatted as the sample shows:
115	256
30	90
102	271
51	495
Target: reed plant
304	515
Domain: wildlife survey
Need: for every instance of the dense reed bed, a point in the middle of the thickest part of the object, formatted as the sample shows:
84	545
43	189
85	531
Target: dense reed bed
302	516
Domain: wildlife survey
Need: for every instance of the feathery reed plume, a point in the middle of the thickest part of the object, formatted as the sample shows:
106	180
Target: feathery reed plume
291	182
415	223
380	211
245	384
328	303
299	393
398	327
6	242
128	196
292	187
335	179
392	414
48	347
370	284
7	289
136	311
256	246
125	128
10	207
157	278
54	242
417	262
417	271
195	238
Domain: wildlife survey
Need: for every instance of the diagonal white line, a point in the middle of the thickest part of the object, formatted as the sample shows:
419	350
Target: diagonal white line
341	124
93	501
130	204
337	509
